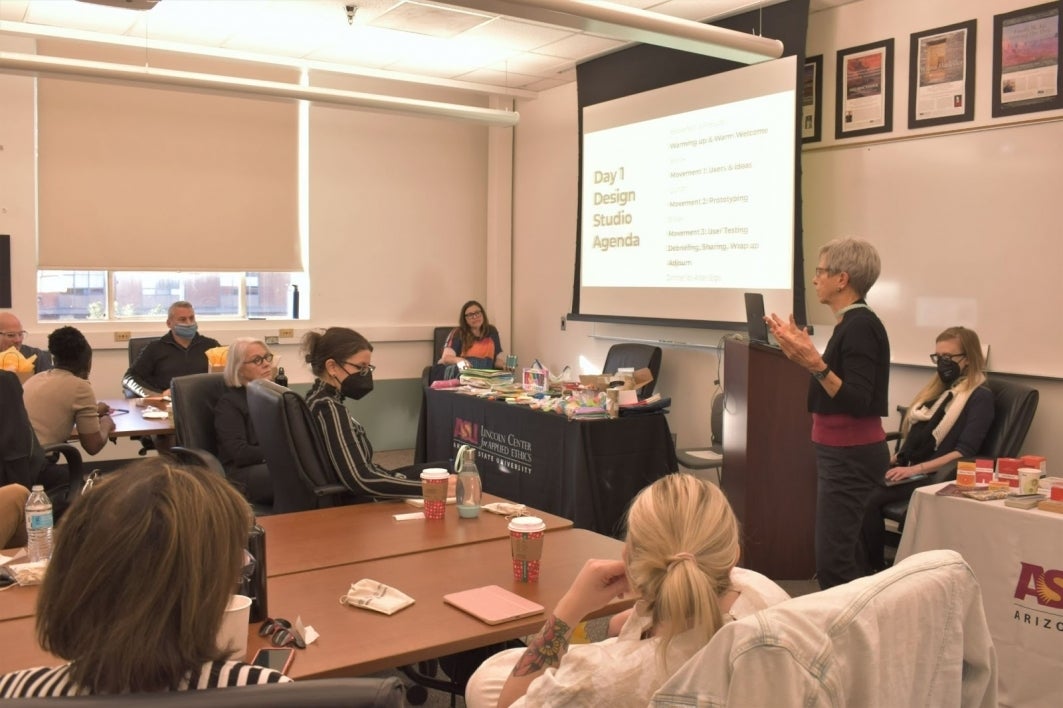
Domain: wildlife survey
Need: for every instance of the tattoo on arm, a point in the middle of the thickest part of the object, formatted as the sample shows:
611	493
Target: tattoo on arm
545	649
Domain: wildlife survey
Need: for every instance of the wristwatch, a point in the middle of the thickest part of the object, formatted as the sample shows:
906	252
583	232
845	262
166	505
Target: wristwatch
820	375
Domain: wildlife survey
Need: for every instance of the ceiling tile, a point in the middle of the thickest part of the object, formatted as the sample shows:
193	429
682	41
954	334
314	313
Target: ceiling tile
498	78
516	34
432	20
579	46
82	16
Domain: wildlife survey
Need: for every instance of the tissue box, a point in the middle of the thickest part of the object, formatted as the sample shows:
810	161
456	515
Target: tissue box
600	382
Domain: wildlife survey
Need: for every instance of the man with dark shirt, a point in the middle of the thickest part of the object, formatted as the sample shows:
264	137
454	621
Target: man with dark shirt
179	352
12	334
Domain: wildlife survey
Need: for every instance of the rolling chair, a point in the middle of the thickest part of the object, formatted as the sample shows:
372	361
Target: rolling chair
1014	406
711	457
136	346
637	356
851	646
318	693
22	458
302	476
434	371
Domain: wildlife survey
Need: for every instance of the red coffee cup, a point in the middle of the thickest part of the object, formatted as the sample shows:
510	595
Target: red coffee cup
434	489
526	545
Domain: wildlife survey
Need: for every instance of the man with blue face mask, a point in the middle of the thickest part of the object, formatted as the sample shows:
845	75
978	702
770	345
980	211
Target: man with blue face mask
179	352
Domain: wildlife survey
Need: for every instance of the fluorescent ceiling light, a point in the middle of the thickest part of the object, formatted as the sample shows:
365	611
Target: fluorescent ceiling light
633	25
31	64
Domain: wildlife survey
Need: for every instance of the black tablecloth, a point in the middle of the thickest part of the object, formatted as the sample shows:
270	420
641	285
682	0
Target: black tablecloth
587	471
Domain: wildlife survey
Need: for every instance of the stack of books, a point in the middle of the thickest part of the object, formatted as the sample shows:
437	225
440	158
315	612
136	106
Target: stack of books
485	378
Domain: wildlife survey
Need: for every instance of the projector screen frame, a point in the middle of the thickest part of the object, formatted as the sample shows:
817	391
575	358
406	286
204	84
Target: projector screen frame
643	68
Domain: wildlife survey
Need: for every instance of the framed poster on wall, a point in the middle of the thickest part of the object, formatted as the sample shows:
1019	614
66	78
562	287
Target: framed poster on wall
812	100
1026	49
941	75
864	90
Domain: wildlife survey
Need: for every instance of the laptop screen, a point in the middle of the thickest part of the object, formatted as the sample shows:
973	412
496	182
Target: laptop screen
758	329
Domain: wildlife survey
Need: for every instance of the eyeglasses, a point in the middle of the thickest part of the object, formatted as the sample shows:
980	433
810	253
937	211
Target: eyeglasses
14	335
473	314
256	360
946	357
280	633
359	369
820	272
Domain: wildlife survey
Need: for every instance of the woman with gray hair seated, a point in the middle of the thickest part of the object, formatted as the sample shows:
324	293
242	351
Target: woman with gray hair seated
249	359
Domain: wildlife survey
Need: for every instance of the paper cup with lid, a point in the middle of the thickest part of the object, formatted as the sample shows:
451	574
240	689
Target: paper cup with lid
526	545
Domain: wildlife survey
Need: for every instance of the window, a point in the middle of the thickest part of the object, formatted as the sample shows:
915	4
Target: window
73	295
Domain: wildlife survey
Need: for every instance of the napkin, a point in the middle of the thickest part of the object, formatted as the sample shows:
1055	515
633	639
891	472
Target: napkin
377	596
506	509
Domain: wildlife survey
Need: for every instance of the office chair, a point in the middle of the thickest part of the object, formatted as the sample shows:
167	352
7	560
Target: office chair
136	346
1014	406
851	646
637	356
193	399
317	693
434	371
302	476
711	457
23	458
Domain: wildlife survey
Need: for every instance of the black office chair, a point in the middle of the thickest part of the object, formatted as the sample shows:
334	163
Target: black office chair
136	346
434	371
23	459
193	399
302	476
319	693
711	457
637	356
1014	406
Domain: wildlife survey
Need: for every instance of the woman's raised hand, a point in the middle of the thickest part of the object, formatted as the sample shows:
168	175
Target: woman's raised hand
597	584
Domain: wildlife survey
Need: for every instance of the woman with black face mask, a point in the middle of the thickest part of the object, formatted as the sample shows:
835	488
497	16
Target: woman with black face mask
340	358
946	421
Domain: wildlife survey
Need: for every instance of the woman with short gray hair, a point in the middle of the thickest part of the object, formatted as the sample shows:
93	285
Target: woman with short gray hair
847	397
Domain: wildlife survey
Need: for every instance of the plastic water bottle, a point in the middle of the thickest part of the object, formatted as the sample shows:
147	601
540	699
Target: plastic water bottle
469	488
38	525
282	378
254	585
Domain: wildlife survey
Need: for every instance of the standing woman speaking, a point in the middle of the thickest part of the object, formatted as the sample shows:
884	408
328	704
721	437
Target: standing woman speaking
847	396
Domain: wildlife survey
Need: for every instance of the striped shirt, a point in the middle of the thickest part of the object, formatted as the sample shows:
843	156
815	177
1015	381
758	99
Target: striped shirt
350	452
55	681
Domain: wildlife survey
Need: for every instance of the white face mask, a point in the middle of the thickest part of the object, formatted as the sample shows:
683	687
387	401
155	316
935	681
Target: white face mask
373	595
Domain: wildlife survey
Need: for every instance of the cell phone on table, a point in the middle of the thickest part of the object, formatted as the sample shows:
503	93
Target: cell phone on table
276	659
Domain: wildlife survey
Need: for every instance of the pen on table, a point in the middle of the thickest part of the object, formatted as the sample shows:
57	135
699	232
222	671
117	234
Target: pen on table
116	411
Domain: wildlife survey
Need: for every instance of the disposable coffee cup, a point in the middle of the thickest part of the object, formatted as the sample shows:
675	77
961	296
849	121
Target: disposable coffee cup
526	546
1028	479
434	490
232	635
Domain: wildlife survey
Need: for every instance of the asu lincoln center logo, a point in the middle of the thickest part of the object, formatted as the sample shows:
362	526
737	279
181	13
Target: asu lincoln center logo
1045	585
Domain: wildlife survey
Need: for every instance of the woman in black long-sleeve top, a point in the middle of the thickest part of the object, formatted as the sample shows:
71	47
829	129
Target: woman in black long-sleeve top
847	396
238	450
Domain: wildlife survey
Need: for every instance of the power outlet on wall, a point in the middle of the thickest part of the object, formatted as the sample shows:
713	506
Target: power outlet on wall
122	336
286	333
271	339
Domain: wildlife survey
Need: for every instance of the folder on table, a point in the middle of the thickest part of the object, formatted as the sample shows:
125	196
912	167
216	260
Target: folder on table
493	604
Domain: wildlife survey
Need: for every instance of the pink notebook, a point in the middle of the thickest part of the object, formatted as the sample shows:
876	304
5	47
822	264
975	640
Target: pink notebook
493	604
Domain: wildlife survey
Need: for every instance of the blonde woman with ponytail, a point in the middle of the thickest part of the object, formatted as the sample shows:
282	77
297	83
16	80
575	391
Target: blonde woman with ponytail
680	558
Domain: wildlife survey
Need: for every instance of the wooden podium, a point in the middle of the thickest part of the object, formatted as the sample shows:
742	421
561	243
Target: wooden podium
769	462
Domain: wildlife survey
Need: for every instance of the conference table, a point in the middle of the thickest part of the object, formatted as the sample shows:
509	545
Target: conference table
132	423
355	641
340	535
1017	557
584	470
324	538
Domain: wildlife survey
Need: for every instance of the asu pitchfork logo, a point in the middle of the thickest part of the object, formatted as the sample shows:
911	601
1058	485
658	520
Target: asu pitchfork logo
1045	585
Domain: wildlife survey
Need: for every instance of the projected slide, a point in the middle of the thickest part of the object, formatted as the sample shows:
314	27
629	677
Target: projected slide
690	187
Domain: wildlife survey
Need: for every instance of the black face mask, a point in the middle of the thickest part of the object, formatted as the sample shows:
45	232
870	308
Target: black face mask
357	386
948	371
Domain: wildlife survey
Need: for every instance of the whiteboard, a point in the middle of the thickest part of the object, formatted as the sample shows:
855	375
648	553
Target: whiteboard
968	228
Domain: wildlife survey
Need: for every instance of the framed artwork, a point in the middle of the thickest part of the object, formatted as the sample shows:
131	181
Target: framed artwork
941	75
864	88
812	100
1026	49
